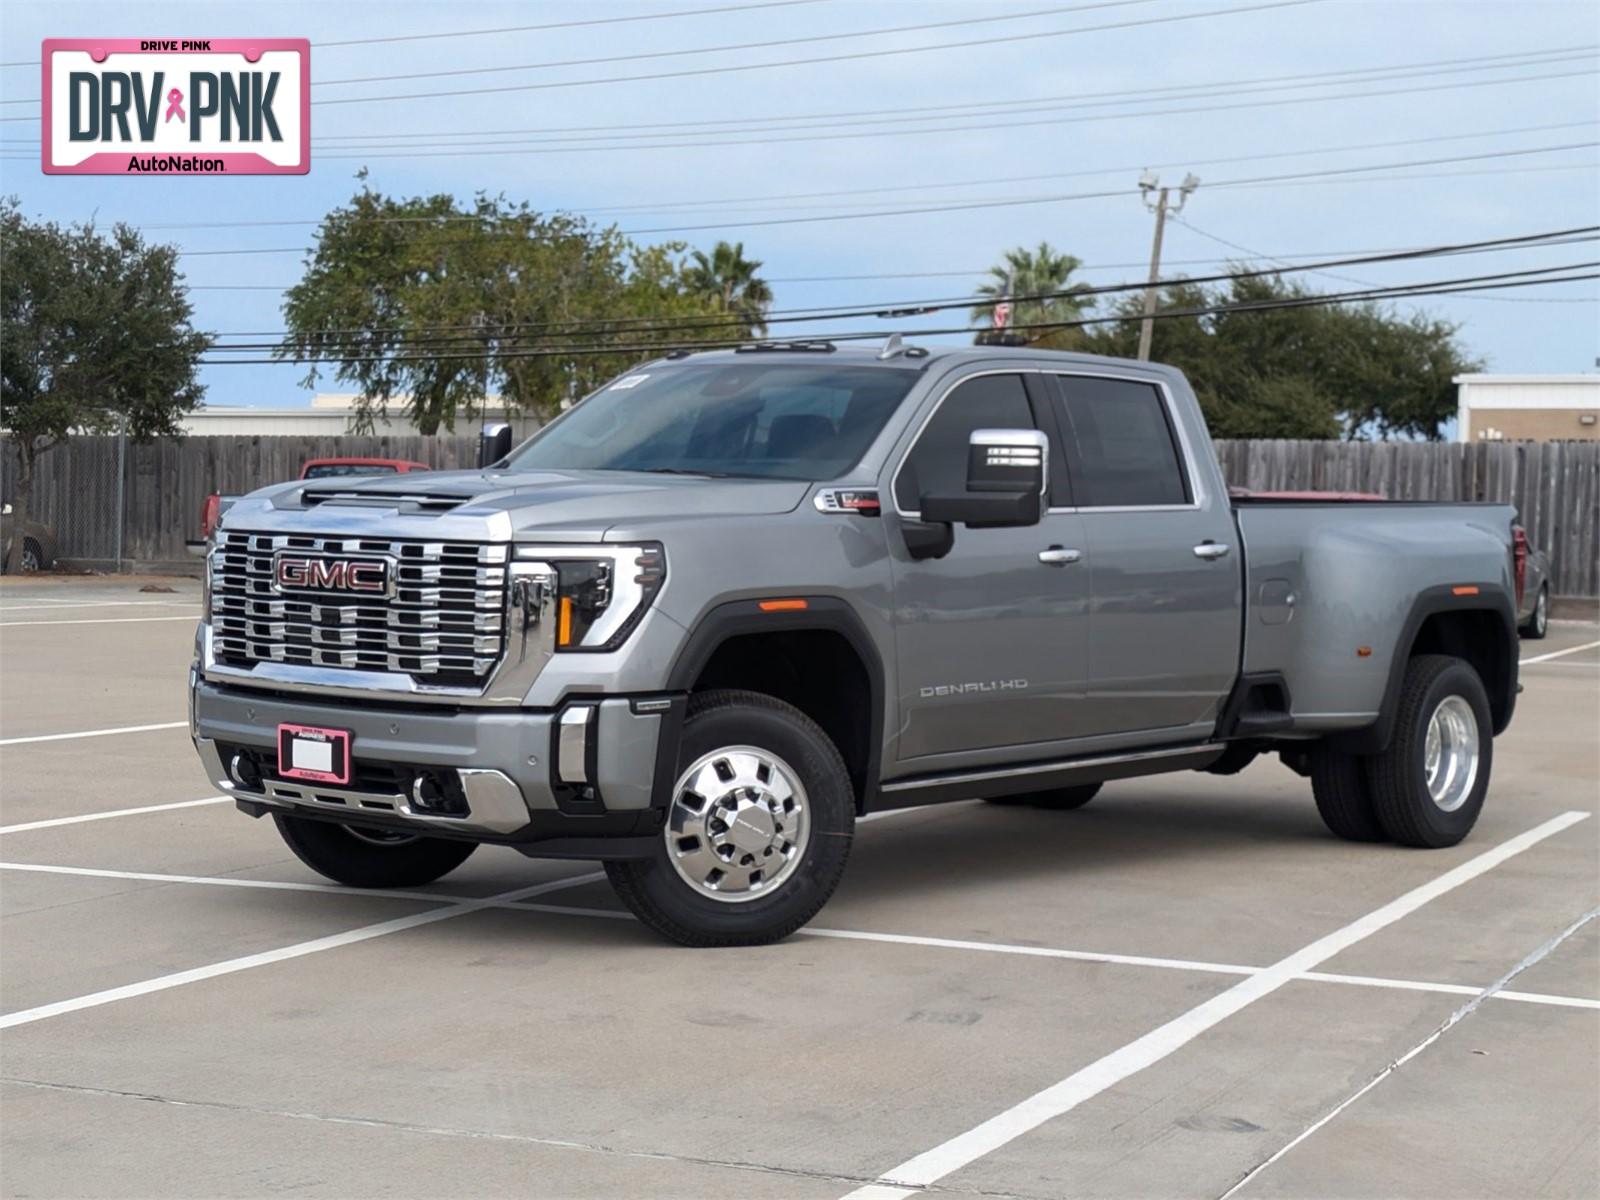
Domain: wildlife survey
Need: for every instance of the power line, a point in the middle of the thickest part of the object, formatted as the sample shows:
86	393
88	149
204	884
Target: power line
461	218
798	62
1477	283
1256	254
741	67
1410	70
461	33
1491	61
497	149
939	303
712	128
808	39
973	272
1197	91
1006	202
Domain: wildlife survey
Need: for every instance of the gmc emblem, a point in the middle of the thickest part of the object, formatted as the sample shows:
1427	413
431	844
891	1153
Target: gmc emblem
296	573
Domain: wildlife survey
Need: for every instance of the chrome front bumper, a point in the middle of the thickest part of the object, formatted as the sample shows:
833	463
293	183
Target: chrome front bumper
495	805
514	766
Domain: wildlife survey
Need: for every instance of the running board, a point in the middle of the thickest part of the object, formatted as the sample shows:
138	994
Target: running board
1042	776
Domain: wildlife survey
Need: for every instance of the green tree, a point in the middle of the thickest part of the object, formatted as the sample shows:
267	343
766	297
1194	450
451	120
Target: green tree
95	334
727	280
1024	272
437	306
1312	371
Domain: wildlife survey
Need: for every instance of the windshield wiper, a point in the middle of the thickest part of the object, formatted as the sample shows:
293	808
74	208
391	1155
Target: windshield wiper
686	471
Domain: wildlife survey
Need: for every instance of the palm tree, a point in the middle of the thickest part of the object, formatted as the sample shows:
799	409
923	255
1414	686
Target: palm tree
1025	272
728	281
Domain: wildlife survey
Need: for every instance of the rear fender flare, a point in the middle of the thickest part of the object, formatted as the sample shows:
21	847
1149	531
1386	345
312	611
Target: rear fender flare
1493	598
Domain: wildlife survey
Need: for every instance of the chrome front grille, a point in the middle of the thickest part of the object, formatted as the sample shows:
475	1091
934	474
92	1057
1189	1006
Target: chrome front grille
442	621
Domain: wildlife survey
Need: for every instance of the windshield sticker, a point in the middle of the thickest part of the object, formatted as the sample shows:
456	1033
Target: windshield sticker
623	385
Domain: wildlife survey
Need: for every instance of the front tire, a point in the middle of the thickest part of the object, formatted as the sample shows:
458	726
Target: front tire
1428	786
1539	622
370	858
758	827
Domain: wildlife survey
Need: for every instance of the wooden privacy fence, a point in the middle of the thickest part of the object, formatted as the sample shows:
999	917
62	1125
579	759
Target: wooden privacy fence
1554	485
165	483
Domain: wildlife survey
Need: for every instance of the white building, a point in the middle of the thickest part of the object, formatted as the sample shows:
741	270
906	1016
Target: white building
1541	408
328	415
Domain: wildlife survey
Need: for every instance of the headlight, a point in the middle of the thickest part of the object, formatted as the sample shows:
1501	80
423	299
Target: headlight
601	591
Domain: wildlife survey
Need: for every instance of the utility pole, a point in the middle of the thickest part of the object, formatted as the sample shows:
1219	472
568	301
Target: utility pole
1150	183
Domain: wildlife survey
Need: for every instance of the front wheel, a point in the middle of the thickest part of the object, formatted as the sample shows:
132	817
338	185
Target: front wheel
1428	786
370	858
758	827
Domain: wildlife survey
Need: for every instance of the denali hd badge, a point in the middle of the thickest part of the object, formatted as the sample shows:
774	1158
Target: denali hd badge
297	573
165	106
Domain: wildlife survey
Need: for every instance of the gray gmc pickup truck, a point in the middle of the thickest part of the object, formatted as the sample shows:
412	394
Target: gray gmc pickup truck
733	601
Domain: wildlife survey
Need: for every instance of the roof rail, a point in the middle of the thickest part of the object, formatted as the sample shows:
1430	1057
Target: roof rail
812	347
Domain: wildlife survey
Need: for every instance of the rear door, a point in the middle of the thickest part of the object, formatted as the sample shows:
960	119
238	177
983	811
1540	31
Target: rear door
1164	570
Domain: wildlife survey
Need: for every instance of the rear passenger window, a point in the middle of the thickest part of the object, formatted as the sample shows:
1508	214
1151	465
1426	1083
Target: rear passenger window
937	464
1127	454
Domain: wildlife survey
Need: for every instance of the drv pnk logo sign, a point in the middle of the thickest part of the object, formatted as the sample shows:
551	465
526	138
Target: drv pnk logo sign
167	106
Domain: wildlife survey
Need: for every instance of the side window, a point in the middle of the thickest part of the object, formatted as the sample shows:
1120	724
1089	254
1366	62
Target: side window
938	462
1126	451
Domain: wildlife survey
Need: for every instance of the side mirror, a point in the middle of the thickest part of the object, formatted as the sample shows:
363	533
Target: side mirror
494	443
1005	482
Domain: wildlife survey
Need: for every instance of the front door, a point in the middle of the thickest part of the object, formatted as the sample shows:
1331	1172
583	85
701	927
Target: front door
992	639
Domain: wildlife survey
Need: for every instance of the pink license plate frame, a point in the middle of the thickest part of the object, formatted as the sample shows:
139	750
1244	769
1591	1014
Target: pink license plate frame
338	742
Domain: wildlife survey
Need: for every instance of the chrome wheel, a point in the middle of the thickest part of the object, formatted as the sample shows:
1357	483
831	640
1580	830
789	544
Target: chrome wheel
738	825
1450	756
1541	613
30	559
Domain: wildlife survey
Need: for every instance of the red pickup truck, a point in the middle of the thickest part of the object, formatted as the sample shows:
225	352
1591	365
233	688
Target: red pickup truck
313	468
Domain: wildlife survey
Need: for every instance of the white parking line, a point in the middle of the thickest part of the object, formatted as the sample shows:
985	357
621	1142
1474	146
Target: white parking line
67	737
53	822
1449	1023
1093	956
58	605
103	620
932	1165
1539	658
365	933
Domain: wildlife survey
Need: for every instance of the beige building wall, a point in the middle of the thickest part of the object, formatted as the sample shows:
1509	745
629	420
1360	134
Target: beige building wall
1533	424
1542	408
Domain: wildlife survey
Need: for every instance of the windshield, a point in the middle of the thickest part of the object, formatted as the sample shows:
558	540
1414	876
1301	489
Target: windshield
808	421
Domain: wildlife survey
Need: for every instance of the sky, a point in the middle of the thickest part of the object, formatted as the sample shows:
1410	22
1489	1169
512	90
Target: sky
1071	162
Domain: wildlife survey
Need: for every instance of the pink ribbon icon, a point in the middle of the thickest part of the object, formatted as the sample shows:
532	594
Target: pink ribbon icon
175	106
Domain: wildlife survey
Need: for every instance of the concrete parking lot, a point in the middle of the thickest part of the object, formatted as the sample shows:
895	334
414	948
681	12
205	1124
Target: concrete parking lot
1184	988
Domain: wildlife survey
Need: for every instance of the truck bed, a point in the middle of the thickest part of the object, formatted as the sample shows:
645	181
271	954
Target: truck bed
1331	585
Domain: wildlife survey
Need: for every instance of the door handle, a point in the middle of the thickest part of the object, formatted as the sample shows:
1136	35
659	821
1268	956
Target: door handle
1058	556
1210	550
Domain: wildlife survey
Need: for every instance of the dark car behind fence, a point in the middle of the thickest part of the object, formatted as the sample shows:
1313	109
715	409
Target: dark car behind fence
1555	486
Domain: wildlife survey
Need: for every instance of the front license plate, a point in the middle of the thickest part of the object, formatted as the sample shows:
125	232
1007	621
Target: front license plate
315	754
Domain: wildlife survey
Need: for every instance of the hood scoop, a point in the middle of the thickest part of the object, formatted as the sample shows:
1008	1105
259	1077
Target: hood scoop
418	501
